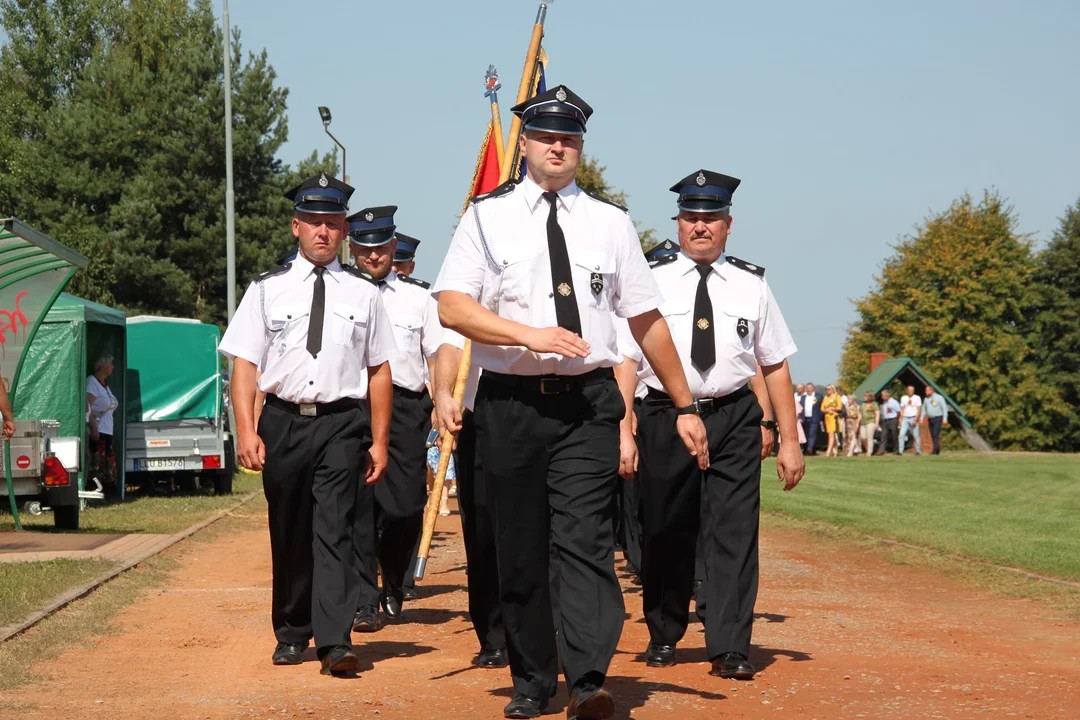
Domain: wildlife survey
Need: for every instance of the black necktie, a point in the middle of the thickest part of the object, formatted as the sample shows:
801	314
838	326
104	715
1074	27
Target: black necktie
562	280
702	345
315	318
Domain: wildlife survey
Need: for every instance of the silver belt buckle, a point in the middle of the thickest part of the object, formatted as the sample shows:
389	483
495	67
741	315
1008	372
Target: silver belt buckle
555	390
308	409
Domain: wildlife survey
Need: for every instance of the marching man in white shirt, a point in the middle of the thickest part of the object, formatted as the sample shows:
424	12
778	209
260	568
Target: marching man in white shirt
313	327
388	530
532	276
725	323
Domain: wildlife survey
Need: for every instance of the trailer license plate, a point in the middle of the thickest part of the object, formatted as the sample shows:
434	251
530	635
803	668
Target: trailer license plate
159	464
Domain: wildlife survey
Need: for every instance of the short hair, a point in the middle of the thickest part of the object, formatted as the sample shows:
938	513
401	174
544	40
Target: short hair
102	362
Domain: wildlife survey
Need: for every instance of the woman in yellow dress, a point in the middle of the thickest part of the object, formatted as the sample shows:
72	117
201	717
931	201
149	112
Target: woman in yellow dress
831	406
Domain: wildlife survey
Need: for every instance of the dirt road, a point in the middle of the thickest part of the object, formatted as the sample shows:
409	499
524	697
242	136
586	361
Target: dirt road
838	635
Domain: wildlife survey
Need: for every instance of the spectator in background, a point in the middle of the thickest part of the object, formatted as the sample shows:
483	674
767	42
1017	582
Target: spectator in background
869	419
810	417
890	414
831	406
910	407
800	393
851	423
101	403
935	410
840	418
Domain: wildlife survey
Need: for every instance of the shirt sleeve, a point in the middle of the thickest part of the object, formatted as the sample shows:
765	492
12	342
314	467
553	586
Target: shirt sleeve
636	291
452	338
773	342
465	264
627	344
381	346
247	336
432	331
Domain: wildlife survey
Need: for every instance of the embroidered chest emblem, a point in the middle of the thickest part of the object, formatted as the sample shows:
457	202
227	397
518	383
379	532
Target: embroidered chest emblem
596	282
743	327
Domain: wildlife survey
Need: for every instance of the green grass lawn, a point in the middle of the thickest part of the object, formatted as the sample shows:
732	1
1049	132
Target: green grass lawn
26	587
146	513
1018	510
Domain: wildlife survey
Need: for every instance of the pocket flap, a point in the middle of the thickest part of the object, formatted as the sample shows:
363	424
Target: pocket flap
745	311
408	321
352	313
595	263
282	314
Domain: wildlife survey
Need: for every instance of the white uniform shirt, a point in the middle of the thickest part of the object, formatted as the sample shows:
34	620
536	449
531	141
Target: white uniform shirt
270	329
736	294
511	276
909	406
629	348
414	317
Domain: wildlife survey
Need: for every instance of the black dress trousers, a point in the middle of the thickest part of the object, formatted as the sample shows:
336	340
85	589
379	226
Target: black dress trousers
549	464
312	470
671	502
629	520
478	529
401	494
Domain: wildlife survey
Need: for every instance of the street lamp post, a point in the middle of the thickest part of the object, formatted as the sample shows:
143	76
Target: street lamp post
324	114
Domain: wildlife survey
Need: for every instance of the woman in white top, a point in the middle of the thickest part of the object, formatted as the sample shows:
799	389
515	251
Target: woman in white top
100	404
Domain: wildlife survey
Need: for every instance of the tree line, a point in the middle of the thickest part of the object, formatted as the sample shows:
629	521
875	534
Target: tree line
994	321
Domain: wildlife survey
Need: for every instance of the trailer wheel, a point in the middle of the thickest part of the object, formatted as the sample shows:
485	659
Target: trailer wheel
224	477
66	517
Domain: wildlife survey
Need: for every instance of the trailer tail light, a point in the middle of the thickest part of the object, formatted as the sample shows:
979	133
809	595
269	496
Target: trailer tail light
56	474
211	462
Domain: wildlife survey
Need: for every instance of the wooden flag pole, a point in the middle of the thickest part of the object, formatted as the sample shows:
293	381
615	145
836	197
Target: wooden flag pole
523	92
446	441
492	82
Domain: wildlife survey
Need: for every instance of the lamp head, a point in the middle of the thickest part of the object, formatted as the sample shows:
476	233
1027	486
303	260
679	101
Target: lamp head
324	113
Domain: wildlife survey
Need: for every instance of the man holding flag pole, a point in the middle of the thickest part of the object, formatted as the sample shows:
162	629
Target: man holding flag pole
547	409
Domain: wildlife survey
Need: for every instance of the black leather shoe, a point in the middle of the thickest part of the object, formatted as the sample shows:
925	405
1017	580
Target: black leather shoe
409	593
391	605
366	619
523	706
495	658
660	655
732	665
288	653
588	702
339	660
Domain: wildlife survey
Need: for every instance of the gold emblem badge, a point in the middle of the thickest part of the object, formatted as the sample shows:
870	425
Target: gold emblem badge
703	324
564	290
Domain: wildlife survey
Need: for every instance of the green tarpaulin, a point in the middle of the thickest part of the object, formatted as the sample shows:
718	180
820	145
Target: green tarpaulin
70	339
174	371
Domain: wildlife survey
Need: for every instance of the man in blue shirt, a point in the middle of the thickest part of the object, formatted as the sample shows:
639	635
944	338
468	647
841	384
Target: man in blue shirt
890	414
936	411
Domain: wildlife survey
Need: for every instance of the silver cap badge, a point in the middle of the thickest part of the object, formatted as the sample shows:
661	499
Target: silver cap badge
369	216
323	182
560	95
700	180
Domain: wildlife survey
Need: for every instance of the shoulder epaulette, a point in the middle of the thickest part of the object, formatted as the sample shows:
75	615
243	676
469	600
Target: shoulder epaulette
602	199
273	271
357	272
748	267
503	189
415	281
663	260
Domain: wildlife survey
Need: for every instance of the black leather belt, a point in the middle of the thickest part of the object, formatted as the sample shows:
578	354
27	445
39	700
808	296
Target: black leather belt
551	384
313	409
411	394
705	406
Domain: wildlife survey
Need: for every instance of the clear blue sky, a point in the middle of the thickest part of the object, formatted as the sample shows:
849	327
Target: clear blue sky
847	123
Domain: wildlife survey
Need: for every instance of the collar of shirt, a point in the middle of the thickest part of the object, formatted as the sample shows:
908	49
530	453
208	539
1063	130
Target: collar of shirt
390	281
690	264
534	195
305	268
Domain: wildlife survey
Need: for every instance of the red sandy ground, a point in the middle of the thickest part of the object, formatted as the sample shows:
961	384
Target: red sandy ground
838	635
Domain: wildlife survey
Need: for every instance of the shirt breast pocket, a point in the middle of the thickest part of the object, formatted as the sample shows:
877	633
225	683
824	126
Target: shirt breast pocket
680	322
738	325
286	322
348	324
594	277
518	279
407	329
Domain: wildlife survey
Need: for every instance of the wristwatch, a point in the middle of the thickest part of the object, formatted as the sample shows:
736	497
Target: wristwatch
769	424
691	409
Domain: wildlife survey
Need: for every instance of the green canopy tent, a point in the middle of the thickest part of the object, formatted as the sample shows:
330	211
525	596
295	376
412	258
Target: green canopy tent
908	372
74	334
34	269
